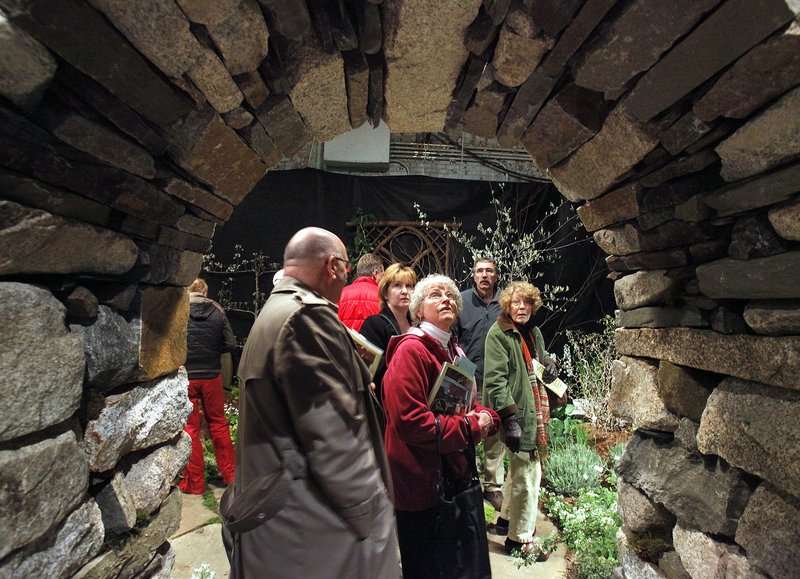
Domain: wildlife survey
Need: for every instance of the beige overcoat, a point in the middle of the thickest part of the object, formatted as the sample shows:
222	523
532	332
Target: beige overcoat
301	376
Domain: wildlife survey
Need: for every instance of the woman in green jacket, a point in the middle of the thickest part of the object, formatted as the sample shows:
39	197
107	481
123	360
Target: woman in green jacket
511	388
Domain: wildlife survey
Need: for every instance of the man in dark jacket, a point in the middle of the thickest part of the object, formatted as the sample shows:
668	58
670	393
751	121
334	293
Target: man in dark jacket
209	335
481	308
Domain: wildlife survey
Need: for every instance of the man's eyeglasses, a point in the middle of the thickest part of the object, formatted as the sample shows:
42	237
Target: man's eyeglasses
346	262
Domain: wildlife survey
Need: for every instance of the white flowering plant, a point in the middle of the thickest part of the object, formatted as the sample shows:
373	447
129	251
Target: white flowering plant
588	526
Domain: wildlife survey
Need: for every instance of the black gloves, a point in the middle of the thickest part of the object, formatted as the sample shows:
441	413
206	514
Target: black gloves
511	433
550	372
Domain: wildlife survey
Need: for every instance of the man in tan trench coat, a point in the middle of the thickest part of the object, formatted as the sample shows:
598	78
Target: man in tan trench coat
305	406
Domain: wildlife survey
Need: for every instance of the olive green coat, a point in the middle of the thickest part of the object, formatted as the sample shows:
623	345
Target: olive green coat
506	385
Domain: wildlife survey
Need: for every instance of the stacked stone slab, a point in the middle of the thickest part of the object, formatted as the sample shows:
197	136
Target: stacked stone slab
130	130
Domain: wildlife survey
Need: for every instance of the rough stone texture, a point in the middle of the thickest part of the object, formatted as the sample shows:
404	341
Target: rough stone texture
81	304
702	556
632	564
629	238
199	197
284	125
685	131
253	88
241	38
733	427
711	250
639	514
733	278
63	551
36	393
212	78
516	55
103	143
786	220
180	240
160	566
671	566
26	68
765	72
635	41
481	118
770	139
161	321
778	358
196	226
318	90
653	219
768	531
660	317
38	194
356	72
773	317
733	29
646	288
261	143
208	11
149	414
686	434
759	192
116	506
42	483
685	165
634	395
138	549
726	321
568	120
693	210
601	161
238	118
619	205
424	56
207	148
158	29
112	350
69	28
150	477
117	296
166	265
684	390
709	497
668	258
35	241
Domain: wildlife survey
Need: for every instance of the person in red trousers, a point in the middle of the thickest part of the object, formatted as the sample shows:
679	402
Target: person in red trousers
209	335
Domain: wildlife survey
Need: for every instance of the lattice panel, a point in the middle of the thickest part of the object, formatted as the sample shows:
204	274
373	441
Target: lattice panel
426	248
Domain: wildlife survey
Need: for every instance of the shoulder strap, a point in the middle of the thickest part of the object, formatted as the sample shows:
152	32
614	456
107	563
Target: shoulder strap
391	324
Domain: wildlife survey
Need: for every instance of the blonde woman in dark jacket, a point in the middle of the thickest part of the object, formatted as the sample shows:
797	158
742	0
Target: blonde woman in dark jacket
511	389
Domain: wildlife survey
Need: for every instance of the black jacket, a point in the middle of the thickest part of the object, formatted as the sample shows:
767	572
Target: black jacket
209	335
378	329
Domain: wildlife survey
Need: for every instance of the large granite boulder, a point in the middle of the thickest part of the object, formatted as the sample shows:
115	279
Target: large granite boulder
634	395
639	513
704	557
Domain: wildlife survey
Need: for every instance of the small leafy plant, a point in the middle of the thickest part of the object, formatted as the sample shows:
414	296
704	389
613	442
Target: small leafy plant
573	469
588	526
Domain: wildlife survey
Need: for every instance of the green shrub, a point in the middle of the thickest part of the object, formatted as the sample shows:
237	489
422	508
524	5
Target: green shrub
589	526
572	469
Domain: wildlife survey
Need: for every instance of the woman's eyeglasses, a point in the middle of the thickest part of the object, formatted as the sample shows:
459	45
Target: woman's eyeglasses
518	303
437	296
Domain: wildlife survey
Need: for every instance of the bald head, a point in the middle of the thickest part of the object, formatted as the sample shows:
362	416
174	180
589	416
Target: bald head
310	243
317	257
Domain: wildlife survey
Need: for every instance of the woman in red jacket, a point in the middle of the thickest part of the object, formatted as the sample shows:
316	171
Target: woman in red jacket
414	362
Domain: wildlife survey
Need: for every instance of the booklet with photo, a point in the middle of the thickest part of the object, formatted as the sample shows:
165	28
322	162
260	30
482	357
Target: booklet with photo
557	386
453	391
369	352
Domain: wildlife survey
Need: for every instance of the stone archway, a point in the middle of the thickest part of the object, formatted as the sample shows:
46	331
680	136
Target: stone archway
129	130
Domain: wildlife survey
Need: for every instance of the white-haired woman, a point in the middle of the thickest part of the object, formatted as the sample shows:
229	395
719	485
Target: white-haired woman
511	388
414	362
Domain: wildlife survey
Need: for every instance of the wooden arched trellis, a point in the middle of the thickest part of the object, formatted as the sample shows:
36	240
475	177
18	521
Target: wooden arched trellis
426	248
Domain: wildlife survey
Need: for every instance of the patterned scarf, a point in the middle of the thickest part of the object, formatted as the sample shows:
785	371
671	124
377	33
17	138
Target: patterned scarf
540	400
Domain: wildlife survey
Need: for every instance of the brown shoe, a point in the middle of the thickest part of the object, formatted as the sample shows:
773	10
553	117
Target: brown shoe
494	498
523	548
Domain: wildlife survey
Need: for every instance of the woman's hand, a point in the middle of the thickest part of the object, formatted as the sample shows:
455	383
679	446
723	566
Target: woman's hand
484	421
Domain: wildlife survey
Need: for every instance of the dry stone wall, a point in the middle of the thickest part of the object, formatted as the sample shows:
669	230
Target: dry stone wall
130	130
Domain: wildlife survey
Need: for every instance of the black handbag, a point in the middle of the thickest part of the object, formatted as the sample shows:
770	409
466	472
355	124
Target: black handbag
462	548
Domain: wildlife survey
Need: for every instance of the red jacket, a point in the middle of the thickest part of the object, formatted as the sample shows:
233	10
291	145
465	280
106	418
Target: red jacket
359	301
414	364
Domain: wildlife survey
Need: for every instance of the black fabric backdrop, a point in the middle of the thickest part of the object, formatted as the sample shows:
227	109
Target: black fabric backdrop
286	201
